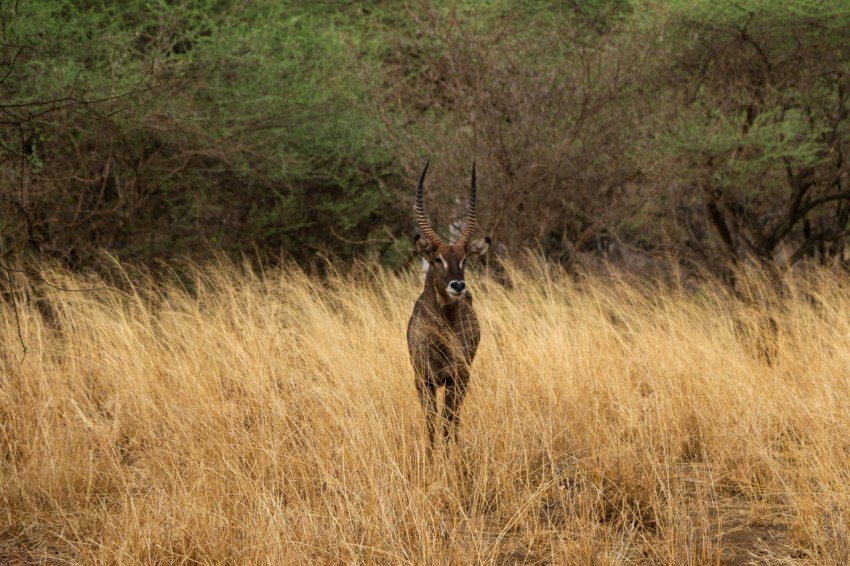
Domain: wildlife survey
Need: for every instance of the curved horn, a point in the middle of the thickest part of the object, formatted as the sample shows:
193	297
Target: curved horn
419	206
469	221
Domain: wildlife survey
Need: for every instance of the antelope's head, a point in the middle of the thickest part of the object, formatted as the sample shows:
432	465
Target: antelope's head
447	262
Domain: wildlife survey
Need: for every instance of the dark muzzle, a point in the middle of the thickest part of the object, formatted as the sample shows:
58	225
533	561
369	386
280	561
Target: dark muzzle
457	286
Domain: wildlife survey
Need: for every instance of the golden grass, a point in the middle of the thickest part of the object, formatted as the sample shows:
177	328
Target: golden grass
273	420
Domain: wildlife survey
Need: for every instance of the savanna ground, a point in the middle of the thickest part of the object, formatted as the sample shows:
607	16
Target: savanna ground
271	418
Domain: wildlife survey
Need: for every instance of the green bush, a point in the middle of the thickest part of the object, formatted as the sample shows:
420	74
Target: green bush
234	126
611	129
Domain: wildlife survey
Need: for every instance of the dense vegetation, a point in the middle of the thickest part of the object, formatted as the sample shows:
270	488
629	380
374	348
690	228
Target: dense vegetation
701	132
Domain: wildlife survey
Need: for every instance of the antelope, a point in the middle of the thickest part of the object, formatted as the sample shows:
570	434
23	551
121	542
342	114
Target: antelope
443	332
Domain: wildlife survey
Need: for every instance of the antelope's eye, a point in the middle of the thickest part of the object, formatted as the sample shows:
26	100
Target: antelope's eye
438	260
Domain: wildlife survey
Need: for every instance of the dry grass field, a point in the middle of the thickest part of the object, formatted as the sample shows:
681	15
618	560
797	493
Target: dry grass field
272	419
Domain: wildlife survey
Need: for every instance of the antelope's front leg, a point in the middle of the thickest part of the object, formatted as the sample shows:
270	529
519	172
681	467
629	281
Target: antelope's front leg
455	392
428	398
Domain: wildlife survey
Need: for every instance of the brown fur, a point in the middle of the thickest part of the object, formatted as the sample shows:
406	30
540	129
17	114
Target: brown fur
443	332
442	338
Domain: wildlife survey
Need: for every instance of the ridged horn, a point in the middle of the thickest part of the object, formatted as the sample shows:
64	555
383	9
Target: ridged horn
469	221
419	205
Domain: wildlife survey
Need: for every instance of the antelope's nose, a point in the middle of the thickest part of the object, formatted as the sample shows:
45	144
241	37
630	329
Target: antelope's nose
457	286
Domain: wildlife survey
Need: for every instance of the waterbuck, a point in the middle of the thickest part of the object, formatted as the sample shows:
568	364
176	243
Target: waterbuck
443	332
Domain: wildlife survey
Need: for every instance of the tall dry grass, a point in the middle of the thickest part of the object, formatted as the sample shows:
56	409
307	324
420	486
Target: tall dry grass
272	419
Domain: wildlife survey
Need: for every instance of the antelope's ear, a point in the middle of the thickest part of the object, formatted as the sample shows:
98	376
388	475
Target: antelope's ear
423	246
478	248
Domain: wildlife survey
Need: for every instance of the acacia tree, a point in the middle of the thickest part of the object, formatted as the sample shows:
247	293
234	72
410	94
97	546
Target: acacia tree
544	98
754	133
40	87
165	130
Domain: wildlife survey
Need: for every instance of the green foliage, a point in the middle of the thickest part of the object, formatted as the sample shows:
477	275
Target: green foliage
755	123
161	128
724	13
243	122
